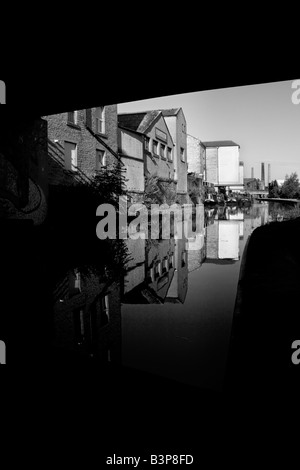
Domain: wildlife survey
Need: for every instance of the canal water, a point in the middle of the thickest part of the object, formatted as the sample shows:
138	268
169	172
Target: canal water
179	296
170	312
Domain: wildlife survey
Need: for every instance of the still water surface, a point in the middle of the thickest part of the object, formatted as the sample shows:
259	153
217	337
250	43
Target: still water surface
179	297
171	313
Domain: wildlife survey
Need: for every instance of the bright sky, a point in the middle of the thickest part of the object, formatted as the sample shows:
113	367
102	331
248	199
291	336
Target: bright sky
262	119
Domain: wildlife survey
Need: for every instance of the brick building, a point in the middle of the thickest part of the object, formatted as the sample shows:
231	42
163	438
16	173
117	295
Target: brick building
81	143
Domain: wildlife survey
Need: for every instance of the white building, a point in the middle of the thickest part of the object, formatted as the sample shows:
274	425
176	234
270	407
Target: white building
223	166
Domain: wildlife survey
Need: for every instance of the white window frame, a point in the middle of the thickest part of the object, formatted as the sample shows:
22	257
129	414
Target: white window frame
74	161
103	159
100	119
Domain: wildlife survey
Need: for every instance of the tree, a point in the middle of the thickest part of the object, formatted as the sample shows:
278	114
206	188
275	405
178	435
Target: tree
291	187
274	190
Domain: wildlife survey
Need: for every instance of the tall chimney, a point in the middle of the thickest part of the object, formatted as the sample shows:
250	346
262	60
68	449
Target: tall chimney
269	173
263	175
252	172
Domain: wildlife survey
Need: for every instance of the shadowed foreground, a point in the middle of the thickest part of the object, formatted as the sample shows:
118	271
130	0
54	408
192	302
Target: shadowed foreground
267	316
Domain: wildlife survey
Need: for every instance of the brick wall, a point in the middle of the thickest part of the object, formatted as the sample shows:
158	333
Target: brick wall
59	132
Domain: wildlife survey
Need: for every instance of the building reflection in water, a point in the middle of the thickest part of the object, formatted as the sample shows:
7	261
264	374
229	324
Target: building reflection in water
157	272
171	312
87	317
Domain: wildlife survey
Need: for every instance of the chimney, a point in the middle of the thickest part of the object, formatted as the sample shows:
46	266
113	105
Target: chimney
263	175
269	173
252	172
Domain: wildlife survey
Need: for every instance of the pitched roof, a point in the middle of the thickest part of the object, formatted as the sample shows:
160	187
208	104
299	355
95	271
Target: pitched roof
170	112
139	122
220	143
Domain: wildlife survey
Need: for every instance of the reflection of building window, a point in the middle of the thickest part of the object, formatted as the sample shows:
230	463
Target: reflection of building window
77	281
183	259
156	271
152	274
170	154
79	326
100	159
155	147
70	156
104	310
171	261
160	268
100	120
165	265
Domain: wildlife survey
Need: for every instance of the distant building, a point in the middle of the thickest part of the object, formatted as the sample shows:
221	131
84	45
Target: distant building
251	184
222	163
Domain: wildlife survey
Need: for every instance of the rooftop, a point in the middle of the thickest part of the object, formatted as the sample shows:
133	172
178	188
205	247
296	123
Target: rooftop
220	143
170	112
139	122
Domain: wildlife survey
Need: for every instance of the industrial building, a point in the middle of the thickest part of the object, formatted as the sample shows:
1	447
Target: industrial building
223	166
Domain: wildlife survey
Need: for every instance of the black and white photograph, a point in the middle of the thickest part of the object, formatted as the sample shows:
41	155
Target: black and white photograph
150	267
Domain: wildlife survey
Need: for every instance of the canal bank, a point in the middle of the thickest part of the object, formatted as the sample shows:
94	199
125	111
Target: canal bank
266	318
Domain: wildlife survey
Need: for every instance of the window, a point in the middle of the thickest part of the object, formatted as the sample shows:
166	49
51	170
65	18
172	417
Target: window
162	151
72	117
182	154
147	143
169	150
165	265
155	147
183	259
100	120
100	159
70	156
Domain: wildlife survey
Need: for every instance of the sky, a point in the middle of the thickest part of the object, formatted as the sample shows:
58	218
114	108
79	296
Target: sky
261	118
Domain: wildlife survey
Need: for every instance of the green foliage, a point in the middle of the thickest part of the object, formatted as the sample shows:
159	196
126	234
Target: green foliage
290	188
72	224
274	190
158	191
